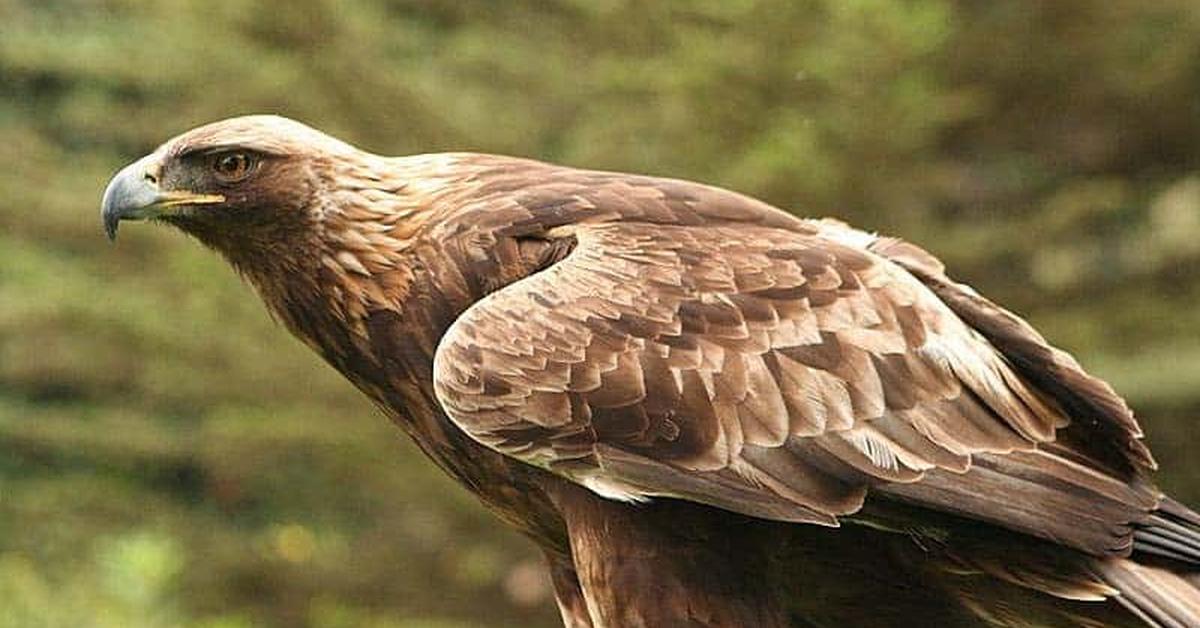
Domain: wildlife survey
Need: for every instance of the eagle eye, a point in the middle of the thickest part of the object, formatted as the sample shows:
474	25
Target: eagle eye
233	167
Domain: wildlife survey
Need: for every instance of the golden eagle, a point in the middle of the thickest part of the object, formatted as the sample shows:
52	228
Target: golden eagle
706	411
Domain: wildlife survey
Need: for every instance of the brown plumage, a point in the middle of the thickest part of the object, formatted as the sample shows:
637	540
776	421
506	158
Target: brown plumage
680	393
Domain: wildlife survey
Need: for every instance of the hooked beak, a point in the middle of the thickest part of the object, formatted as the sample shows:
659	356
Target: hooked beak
134	194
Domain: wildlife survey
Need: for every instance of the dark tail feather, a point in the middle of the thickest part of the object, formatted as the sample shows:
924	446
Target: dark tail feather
1172	531
1160	582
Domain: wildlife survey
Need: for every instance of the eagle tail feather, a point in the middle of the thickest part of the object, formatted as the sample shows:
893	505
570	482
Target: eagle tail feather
1172	531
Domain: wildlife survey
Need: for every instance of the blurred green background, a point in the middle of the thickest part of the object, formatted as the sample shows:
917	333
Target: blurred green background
169	457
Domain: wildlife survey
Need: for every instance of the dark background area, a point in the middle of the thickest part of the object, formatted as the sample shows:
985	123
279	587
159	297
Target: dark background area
170	457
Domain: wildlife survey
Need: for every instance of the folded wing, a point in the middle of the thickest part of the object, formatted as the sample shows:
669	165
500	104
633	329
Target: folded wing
787	374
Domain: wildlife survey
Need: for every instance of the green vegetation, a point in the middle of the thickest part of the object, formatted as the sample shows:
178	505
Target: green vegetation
169	457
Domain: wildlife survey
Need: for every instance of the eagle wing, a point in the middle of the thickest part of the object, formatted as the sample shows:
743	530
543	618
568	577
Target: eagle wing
786	372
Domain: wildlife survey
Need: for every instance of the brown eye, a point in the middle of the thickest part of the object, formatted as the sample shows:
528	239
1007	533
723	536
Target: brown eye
232	167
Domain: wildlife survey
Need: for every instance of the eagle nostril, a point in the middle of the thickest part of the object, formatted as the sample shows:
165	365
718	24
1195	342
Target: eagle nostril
150	176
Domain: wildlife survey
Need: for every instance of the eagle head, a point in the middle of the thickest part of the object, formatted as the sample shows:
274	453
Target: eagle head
231	183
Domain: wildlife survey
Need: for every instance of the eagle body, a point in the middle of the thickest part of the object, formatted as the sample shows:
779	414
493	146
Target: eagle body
705	411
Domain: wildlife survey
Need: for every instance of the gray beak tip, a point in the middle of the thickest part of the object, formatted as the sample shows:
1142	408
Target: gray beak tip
110	228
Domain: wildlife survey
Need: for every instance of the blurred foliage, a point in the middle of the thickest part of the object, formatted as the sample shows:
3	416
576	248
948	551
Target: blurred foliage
169	457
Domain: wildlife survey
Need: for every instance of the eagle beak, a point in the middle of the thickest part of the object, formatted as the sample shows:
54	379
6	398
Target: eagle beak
134	194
